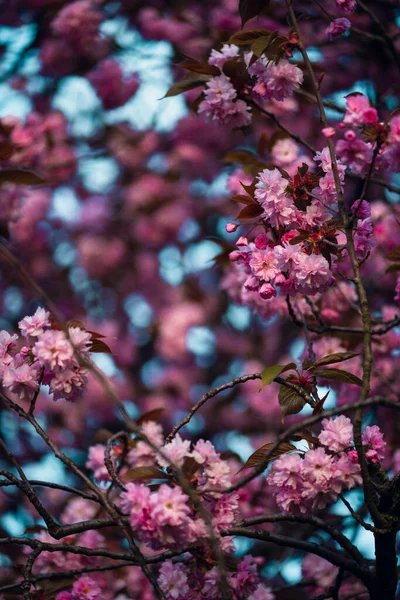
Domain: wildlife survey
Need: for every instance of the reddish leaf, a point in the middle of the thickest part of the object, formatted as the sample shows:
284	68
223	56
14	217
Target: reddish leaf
190	467
335	358
394	254
320	404
242	199
102	435
250	212
191	64
251	8
338	375
144	473
242	157
99	346
258	456
6	150
151	415
185	85
20	176
290	402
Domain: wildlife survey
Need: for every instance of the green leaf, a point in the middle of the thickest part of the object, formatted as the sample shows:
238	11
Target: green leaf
269	373
338	375
330	359
261	44
258	456
290	402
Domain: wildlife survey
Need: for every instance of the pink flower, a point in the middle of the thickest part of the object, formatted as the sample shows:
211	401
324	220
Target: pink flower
373	438
86	589
68	383
270	192
311	273
359	111
135	503
204	452
284	152
53	350
394	134
262	593
397	290
328	132
96	463
7	343
337	28
347	474
173	580
35	325
220	103
21	379
347	5
264	264
355	154
64	596
362	208
227	52
78	22
176	451
169	506
80	339
142	454
112	88
337	433
276	81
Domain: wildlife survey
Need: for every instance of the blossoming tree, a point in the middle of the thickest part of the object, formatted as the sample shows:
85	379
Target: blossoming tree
173	429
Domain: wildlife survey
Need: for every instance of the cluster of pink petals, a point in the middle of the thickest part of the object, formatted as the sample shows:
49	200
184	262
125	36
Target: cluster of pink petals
372	439
78	25
48	356
181	582
275	81
347	6
164	517
337	28
309	484
111	86
221	103
359	111
316	480
85	588
219	58
283	266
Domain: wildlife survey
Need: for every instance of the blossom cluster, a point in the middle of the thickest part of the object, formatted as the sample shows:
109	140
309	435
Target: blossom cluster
270	81
311	482
366	139
45	356
165	517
